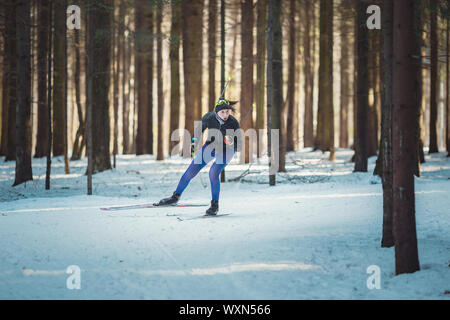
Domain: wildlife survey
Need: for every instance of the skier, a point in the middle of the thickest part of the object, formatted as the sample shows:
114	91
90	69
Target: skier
222	120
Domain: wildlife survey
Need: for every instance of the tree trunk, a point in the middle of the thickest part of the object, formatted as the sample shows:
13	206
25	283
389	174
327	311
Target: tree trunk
292	121
261	22
144	76
100	85
149	19
447	88
345	61
277	83
42	132
308	123
115	36
59	74
192	17
126	62
372	112
159	62
212	47
11	71
387	240
174	56
49	96
5	83
405	67
80	134
270	93
362	90
325	123
23	118
246	99
434	85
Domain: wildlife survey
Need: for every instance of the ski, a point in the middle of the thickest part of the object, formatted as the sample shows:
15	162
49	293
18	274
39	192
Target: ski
150	205
204	216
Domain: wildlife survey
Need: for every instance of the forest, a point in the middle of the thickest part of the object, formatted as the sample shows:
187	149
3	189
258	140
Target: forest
98	83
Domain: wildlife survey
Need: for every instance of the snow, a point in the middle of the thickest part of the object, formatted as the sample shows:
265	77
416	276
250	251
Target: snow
312	236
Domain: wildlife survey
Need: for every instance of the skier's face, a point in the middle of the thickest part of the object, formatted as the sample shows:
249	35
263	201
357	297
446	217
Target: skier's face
224	114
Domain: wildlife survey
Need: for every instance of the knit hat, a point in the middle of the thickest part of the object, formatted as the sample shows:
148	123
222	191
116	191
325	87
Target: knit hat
223	104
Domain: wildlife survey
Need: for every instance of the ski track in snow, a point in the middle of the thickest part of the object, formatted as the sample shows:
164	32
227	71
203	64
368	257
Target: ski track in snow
312	236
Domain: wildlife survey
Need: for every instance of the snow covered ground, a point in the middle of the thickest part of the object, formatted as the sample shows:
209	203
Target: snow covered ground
313	236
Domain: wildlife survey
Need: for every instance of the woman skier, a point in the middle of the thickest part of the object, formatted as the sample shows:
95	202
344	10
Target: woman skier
222	120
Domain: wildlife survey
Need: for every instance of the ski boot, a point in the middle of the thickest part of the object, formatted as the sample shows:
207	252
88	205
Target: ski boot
212	211
169	201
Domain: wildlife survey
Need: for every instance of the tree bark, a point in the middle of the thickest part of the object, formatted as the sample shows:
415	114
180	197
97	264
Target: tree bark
261	23
325	123
387	240
434	90
291	115
11	71
192	17
405	68
246	99
126	88
212	47
80	134
144	76
23	117
277	78
362	89
345	61
42	124
174	56
100	85
308	123
59	74
159	62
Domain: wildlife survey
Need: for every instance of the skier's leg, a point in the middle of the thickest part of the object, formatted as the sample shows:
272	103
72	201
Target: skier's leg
215	171
197	164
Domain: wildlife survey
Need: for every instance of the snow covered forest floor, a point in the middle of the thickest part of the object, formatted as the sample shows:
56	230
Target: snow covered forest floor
312	236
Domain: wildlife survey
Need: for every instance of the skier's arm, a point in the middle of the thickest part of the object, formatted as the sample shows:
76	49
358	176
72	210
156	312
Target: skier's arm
204	126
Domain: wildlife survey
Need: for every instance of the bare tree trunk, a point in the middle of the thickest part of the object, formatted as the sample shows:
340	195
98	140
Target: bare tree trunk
77	146
325	123
277	78
126	62
100	85
11	56
387	240
434	93
149	20
308	123
372	114
292	122
159	62
261	22
174	56
212	47
447	88
346	28
49	97
246	99
144	76
270	93
405	68
116	72
5	82
23	118
42	132
362	90
59	94
192	17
